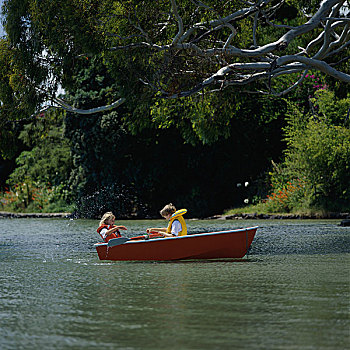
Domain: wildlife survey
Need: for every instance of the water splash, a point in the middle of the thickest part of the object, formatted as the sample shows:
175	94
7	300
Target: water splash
120	199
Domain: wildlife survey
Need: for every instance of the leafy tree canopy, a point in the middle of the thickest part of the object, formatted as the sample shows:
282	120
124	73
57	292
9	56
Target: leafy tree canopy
172	48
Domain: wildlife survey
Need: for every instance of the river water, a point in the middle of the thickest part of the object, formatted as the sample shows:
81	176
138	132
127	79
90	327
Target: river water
292	292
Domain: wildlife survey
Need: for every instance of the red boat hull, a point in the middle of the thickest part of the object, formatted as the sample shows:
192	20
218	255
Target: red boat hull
213	245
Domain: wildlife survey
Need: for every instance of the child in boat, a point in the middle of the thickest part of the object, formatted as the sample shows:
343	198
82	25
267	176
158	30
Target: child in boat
107	229
177	225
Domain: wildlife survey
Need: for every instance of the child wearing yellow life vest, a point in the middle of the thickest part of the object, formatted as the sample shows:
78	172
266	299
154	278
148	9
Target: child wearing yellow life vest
177	225
107	229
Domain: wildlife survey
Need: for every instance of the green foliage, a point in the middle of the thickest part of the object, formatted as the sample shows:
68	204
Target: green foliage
198	119
322	156
15	100
287	195
330	109
36	197
41	50
49	158
315	172
40	180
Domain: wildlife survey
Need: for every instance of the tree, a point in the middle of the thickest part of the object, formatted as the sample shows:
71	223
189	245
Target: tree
189	46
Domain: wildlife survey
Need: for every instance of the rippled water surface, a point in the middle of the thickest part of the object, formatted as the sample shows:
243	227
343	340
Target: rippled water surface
291	293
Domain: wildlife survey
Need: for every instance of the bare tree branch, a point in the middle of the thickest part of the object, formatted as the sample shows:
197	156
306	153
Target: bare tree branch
328	14
63	105
179	21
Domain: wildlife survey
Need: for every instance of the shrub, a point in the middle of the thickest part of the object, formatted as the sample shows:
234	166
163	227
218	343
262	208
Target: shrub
316	169
36	197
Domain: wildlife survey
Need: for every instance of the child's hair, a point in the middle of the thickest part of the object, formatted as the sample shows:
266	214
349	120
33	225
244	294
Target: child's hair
168	209
106	216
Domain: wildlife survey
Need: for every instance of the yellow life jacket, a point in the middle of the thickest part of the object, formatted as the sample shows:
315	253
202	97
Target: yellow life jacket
178	216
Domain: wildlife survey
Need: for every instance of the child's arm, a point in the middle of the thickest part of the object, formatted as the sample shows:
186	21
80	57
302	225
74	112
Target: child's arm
115	228
161	230
168	234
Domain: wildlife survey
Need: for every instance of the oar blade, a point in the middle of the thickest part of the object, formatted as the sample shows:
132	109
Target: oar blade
117	241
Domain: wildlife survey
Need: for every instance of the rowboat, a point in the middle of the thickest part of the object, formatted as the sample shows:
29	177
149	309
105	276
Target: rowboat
211	245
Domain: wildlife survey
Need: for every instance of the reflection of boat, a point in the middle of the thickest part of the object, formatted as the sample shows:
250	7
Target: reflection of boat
223	244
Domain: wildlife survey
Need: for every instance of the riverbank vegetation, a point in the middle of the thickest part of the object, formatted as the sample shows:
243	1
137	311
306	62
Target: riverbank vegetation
271	152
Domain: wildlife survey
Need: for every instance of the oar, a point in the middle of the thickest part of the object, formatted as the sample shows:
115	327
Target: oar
117	241
121	240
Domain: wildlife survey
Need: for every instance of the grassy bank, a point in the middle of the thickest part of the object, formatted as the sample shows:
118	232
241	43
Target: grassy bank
260	210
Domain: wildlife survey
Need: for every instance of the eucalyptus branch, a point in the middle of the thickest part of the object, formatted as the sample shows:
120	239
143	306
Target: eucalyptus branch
179	21
319	65
63	105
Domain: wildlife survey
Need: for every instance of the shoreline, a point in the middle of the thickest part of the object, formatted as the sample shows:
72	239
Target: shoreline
7	214
256	216
243	216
